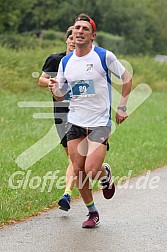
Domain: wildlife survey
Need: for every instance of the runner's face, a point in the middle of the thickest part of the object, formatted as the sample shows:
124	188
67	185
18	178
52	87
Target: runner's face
70	43
83	33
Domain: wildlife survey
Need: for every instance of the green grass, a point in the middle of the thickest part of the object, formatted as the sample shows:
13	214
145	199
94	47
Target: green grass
139	144
147	70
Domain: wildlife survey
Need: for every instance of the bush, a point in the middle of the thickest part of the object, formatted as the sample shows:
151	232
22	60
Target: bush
111	42
53	35
32	40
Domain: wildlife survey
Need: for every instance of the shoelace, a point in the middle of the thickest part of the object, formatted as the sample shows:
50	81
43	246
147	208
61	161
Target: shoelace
91	215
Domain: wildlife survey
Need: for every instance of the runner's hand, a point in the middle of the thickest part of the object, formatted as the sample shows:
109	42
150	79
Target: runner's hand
52	84
120	116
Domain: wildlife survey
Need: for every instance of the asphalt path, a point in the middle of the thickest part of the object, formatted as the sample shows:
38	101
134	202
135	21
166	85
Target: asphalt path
134	220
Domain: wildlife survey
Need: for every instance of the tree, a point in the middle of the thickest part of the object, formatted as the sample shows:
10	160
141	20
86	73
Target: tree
134	20
142	24
57	15
12	13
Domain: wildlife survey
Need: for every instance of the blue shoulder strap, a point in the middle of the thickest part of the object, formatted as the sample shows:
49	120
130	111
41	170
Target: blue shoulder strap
102	55
65	60
65	87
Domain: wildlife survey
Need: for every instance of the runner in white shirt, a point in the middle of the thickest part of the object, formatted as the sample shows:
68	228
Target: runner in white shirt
87	71
89	80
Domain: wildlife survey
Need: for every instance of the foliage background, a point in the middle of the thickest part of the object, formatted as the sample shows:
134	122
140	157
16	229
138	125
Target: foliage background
140	27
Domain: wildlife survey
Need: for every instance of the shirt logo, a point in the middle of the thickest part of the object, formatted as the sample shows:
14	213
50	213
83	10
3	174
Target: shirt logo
89	69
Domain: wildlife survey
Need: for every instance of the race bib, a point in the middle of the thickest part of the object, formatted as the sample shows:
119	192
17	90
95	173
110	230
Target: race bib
84	88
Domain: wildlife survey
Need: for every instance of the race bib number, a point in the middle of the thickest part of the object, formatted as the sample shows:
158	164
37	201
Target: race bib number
83	88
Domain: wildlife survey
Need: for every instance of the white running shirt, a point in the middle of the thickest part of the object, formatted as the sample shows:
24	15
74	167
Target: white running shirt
89	78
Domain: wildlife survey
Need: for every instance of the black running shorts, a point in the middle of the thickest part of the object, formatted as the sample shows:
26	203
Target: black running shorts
95	134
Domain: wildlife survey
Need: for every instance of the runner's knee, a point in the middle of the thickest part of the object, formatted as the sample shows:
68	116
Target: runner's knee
92	171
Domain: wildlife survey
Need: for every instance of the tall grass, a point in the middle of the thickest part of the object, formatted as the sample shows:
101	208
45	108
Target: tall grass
147	70
138	144
16	68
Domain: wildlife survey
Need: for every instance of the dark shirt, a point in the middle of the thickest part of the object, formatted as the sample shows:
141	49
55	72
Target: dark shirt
50	67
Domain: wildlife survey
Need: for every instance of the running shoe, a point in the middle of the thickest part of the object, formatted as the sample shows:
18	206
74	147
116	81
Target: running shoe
108	186
92	221
64	202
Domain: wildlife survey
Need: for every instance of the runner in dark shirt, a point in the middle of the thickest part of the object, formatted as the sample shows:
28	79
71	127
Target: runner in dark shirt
50	69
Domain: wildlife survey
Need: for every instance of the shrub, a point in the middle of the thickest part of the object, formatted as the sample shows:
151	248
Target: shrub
52	35
32	40
111	42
